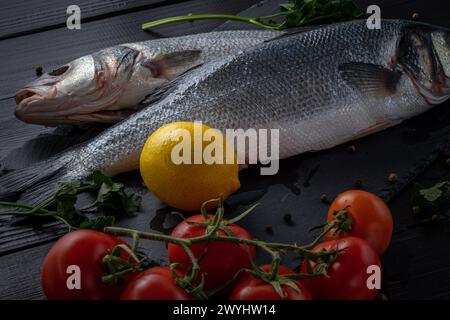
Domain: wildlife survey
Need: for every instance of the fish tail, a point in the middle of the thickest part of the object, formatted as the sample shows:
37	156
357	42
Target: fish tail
34	183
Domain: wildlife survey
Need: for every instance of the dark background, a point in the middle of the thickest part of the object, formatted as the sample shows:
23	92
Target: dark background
33	33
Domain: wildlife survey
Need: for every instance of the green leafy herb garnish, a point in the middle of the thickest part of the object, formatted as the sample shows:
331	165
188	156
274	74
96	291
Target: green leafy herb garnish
295	13
437	192
111	198
98	223
433	200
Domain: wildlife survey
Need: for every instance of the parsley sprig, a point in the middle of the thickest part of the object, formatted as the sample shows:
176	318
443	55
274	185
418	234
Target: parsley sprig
295	13
433	200
111	198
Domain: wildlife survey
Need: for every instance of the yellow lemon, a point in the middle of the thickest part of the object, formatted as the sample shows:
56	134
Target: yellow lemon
177	165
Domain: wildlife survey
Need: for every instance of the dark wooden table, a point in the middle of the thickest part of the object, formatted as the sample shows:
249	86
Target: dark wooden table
33	33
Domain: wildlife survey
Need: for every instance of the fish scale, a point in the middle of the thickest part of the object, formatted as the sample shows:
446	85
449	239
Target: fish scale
320	89
214	44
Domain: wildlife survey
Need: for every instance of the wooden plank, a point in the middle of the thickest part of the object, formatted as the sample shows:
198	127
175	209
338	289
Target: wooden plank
415	248
24	17
430	11
20	56
417	264
22	270
14	133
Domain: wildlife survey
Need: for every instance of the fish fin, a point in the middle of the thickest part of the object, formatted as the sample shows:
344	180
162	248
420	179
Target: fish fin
171	65
379	126
370	78
39	177
165	89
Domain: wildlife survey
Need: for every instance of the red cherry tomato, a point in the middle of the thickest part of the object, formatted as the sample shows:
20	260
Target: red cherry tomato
219	261
155	284
347	276
84	249
371	217
250	288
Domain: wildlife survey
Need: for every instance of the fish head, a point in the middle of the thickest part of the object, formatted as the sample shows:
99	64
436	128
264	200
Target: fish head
424	55
106	86
84	90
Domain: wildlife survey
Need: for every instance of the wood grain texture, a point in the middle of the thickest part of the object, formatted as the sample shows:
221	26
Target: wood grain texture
21	272
435	12
24	17
416	265
13	132
20	56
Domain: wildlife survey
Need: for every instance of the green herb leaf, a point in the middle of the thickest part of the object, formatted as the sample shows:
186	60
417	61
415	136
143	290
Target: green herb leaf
98	223
431	200
287	6
436	193
66	198
98	178
431	194
112	196
306	12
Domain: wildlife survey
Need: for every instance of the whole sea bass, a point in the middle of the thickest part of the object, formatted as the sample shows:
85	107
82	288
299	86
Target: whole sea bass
319	88
107	86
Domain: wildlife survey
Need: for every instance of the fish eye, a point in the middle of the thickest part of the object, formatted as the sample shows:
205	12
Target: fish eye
59	71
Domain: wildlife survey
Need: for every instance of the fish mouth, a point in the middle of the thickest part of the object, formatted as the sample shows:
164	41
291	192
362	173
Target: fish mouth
40	106
30	100
26	96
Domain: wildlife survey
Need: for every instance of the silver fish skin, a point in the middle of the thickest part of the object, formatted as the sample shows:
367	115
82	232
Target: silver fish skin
107	86
320	89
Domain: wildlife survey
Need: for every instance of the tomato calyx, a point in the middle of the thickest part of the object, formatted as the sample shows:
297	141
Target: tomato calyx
116	265
341	223
273	277
322	260
187	282
277	280
216	223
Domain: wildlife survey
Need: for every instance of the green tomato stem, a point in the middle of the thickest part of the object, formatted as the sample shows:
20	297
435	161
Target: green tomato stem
301	250
110	277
